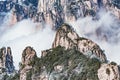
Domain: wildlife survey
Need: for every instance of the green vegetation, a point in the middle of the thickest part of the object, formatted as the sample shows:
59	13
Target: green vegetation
113	63
81	38
87	68
5	77
15	77
3	69
21	66
75	65
29	75
69	28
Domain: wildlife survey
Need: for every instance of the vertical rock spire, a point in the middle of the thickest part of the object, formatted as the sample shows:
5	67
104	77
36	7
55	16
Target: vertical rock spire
2	59
28	56
9	61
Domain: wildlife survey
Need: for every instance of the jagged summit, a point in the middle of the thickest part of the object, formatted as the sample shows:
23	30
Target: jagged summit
68	38
9	61
6	61
28	55
70	58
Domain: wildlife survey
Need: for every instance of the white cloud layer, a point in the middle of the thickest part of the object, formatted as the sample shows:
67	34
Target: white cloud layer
105	32
25	33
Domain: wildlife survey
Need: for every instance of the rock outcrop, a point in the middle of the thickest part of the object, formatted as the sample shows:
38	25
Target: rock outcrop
9	61
71	57
2	59
6	63
68	38
61	64
28	56
109	72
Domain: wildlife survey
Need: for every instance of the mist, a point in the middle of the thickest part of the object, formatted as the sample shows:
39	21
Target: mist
105	32
26	33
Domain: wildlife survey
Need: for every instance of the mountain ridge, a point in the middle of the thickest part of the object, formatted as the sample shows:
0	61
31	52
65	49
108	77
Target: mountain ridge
71	57
60	62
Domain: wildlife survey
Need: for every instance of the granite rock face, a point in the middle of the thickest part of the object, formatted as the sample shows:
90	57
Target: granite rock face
6	63
69	39
56	12
109	72
9	61
2	59
28	55
71	57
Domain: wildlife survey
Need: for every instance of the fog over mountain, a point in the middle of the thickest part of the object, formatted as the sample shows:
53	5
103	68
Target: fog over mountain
33	29
105	32
25	33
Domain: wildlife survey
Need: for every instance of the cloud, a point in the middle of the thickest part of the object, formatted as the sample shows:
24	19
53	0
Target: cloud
25	33
105	32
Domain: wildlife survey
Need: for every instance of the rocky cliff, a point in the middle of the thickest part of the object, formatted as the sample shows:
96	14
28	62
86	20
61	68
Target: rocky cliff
6	60
56	12
28	56
6	63
9	61
71	58
68	38
109	72
2	59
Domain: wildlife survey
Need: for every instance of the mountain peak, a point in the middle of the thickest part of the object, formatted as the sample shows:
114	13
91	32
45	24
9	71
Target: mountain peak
28	54
68	38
